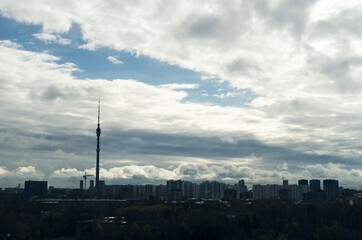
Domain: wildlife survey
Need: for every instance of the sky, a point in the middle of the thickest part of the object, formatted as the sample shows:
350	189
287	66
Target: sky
195	90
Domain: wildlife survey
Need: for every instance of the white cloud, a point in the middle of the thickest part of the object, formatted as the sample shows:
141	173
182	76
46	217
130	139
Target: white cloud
51	38
176	86
8	43
67	173
205	77
126	172
307	87
20	174
41	98
265	46
51	86
114	60
228	173
261	102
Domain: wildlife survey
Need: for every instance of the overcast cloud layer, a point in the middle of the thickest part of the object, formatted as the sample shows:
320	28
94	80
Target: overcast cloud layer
300	59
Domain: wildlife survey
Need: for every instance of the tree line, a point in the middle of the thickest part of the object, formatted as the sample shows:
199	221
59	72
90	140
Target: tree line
189	220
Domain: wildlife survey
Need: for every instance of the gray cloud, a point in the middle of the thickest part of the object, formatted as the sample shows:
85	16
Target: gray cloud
286	13
228	173
300	59
345	22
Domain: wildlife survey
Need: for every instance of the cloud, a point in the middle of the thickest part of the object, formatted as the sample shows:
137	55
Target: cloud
301	61
176	86
262	101
10	44
228	173
51	38
36	86
48	113
126	172
205	77
20	174
114	60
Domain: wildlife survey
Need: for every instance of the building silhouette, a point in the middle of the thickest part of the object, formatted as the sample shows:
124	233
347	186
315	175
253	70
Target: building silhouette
230	194
331	189
36	189
315	185
174	190
269	191
285	182
303	182
240	188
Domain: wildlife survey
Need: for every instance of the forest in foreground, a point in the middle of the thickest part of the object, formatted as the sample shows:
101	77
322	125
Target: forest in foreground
189	220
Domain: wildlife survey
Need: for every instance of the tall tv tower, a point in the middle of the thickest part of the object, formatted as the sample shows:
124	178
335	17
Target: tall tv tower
98	131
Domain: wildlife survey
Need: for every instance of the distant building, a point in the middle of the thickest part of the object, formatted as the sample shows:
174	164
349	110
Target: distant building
100	184
174	190
125	191
266	191
241	188
36	189
91	185
347	193
81	185
285	194
229	194
303	182
205	190
189	190
160	191
217	190
149	189
246	195
315	185
111	191
12	190
331	189
296	191
317	195
305	188
285	182
293	192
320	195
139	191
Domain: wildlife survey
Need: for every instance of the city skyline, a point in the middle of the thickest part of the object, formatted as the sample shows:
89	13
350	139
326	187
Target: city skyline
205	91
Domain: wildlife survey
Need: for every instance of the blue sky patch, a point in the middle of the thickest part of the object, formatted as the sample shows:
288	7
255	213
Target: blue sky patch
95	64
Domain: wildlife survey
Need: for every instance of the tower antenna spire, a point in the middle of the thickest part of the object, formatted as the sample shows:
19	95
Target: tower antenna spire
99	109
98	132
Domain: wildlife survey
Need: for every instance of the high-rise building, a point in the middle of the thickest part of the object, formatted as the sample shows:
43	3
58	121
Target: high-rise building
189	189
91	185
241	188
285	182
149	189
217	190
81	184
266	191
315	185
302	182
174	190
229	194
331	189
205	190
36	189
285	194
160	190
